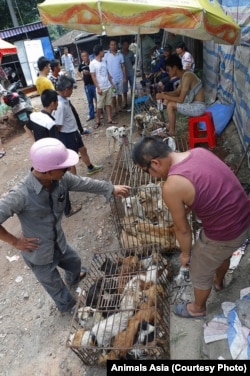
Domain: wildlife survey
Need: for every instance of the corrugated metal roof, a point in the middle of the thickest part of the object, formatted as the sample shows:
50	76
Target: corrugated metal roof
71	37
7	33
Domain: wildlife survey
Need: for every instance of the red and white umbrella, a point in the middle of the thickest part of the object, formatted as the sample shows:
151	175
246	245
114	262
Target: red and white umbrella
6	48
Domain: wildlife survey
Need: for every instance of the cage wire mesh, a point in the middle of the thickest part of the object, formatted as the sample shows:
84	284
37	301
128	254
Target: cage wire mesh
123	309
143	218
148	117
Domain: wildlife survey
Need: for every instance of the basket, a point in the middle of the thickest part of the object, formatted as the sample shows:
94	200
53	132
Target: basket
142	218
123	310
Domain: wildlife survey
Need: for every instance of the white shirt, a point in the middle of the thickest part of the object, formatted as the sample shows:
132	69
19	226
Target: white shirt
64	116
67	61
101	72
187	61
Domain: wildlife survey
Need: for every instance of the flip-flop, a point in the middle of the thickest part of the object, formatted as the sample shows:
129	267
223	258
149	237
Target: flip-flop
2	154
180	309
112	122
97	125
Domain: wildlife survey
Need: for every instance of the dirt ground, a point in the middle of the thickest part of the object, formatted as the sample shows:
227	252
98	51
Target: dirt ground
33	333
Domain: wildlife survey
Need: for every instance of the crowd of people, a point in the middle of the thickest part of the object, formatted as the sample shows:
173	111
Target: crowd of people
57	134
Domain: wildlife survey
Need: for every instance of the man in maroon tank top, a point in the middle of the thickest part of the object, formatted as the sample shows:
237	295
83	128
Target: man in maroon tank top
197	180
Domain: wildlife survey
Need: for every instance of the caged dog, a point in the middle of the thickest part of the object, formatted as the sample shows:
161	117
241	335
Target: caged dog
118	134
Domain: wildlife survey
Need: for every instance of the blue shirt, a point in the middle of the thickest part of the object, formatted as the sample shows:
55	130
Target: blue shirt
114	65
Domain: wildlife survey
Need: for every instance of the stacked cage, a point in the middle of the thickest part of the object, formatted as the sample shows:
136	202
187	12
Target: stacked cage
148	116
142	218
123	309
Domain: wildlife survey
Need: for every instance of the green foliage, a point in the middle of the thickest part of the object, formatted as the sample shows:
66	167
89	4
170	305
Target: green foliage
25	10
56	31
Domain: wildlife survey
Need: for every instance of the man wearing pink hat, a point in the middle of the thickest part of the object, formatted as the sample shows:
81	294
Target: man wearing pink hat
39	202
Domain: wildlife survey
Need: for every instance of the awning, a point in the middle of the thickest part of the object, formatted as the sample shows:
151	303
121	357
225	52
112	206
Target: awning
7	33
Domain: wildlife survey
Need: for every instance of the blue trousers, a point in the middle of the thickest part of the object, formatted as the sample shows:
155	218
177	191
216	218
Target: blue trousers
49	277
90	91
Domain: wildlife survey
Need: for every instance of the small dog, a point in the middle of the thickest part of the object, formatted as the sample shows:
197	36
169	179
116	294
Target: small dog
133	207
118	134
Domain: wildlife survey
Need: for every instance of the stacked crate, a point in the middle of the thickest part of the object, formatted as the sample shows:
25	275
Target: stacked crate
123	309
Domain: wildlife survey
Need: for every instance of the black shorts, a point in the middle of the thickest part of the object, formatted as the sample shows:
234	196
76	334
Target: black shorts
71	140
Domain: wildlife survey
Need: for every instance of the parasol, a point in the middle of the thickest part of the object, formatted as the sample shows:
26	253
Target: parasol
6	48
199	19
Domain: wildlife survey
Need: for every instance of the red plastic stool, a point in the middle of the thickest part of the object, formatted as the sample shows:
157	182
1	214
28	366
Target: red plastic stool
198	135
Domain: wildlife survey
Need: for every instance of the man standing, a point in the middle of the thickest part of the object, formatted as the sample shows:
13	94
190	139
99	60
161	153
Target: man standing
69	133
129	61
39	202
54	77
42	81
54	74
223	208
188	99
103	83
116	68
68	63
42	124
89	86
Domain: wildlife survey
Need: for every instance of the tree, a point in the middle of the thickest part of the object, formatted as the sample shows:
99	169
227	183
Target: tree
25	10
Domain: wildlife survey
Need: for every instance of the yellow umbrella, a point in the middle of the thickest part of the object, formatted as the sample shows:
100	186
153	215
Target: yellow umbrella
199	19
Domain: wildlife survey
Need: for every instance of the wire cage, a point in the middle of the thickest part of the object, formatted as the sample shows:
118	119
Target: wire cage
143	218
123	310
148	117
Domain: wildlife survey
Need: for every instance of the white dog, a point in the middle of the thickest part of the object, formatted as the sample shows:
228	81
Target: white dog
132	206
118	134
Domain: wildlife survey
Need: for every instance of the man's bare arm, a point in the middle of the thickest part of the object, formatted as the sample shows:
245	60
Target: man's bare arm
21	243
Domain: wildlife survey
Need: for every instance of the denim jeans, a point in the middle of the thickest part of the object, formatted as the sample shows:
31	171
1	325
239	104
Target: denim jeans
90	91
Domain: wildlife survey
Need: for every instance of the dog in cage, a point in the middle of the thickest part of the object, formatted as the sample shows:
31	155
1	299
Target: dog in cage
119	135
133	207
102	294
163	214
148	196
147	121
110	327
140	330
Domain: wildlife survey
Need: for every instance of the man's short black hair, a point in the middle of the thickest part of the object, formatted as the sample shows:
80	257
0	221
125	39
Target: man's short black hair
54	63
174	60
42	62
181	45
97	49
148	148
48	96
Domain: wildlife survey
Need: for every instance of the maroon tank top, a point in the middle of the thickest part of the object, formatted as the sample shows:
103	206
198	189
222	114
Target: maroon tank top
220	201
